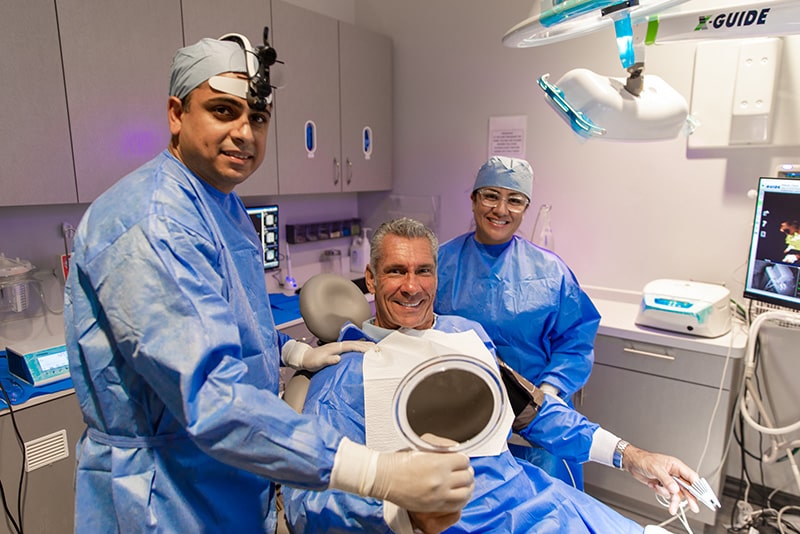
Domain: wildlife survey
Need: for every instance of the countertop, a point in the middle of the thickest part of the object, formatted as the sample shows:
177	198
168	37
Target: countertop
618	310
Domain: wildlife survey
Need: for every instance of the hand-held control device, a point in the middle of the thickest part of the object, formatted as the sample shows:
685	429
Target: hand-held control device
701	491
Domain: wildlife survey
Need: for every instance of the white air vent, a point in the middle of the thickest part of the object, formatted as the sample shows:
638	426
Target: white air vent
46	450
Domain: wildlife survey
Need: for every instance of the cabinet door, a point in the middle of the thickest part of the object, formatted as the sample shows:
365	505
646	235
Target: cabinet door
658	414
308	43
36	153
117	56
204	18
49	496
366	95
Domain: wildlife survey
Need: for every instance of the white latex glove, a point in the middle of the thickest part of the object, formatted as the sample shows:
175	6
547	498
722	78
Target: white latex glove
414	480
425	481
299	355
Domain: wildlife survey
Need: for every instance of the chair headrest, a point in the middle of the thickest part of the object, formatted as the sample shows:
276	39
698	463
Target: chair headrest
328	301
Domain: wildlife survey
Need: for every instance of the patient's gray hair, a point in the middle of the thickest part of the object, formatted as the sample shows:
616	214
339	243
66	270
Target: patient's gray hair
402	227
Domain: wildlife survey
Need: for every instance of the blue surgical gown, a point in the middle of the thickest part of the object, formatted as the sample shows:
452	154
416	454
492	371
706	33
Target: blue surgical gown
511	496
532	307
175	361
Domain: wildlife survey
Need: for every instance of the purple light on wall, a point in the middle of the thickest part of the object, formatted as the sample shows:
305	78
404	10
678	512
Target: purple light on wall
142	142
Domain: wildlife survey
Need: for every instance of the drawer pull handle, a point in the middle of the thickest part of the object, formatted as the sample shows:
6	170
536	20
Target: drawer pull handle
645	353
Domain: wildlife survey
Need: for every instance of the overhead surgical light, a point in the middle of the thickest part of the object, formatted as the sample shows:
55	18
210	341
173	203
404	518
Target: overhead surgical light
638	108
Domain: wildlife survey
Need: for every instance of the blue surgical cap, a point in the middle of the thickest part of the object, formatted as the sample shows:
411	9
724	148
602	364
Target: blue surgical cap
510	173
192	65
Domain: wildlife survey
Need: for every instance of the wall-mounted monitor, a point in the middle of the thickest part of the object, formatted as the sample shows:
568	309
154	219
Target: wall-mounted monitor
773	265
265	220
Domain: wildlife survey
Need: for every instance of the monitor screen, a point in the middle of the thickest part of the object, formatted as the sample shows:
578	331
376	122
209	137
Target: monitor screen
265	220
773	265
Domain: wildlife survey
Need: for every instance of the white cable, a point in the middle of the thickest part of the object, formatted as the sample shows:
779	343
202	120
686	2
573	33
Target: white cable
680	515
780	516
683	520
569	471
772	431
40	291
779	450
769	430
746	487
795	470
755	326
716	402
749	371
736	393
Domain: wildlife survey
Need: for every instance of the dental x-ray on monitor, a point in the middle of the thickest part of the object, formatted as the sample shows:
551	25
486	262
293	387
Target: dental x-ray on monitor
773	265
265	220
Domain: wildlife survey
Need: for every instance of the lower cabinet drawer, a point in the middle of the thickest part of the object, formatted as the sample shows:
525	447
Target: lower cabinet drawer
660	360
658	414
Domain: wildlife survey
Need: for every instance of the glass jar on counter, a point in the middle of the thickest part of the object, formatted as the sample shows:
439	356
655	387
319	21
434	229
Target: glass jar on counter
331	260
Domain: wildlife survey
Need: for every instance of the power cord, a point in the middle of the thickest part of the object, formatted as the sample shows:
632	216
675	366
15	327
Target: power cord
18	527
745	517
720	390
780	518
751	519
680	515
40	291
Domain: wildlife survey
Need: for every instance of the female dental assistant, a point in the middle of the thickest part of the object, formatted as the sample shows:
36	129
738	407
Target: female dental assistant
525	297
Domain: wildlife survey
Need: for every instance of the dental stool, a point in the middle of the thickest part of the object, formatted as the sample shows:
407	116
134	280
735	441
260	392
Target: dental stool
327	302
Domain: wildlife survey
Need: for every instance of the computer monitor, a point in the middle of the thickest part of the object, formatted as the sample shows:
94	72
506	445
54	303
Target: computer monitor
773	265
265	220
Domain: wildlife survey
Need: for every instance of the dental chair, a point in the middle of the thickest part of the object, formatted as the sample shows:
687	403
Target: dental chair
327	302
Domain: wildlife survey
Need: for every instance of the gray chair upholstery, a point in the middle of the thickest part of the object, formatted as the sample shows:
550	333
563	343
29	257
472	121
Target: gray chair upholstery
327	302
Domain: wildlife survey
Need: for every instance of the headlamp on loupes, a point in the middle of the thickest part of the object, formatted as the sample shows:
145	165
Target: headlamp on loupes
257	88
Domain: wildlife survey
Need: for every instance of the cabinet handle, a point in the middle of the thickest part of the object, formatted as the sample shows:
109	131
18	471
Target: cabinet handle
646	353
337	171
349	171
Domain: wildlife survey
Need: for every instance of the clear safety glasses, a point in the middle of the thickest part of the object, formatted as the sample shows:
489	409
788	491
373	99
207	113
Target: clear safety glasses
491	199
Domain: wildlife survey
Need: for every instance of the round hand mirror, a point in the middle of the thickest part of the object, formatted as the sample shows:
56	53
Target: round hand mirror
455	397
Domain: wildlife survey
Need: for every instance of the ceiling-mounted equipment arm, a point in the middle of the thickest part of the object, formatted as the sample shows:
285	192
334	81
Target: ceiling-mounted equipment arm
639	108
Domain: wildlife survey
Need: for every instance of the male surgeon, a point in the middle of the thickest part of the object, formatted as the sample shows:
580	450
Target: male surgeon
172	346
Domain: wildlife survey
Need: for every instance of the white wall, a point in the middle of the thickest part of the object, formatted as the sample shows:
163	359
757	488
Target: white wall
338	9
